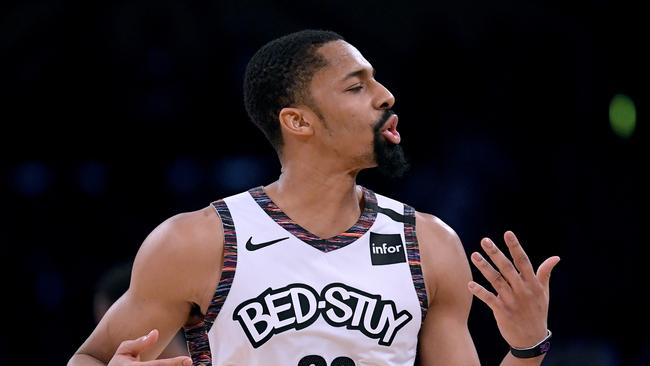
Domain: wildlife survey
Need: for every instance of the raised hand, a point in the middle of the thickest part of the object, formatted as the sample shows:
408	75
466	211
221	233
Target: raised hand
128	353
520	305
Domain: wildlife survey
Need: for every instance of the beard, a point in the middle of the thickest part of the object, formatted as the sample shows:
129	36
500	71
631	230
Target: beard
389	157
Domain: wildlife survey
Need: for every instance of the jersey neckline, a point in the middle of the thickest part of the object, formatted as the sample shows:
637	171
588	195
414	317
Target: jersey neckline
363	224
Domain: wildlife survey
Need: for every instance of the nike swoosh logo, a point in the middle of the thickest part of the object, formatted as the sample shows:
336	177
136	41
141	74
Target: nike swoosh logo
251	247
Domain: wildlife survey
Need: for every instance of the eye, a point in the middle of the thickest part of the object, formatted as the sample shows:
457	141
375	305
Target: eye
355	89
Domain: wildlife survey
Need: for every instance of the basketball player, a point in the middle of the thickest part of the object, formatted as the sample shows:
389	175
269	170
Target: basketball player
314	269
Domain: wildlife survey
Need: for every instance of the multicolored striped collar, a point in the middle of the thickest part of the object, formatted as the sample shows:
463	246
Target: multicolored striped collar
362	225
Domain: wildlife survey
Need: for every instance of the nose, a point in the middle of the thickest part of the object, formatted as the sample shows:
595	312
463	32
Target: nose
385	98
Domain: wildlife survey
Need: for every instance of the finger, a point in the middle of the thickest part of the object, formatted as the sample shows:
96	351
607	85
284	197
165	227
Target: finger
484	295
136	346
176	361
544	270
492	275
519	256
506	268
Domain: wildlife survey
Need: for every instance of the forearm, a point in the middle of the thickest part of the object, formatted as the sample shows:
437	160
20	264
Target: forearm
511	360
84	360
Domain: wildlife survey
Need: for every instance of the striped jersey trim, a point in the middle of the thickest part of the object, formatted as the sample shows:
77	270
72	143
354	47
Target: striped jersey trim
364	223
197	335
413	251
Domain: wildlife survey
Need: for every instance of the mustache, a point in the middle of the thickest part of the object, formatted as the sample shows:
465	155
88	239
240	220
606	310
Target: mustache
382	120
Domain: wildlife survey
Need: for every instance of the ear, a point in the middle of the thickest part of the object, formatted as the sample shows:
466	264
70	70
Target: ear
293	121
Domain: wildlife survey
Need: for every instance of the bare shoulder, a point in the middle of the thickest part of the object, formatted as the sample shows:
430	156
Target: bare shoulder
442	254
185	236
183	252
435	235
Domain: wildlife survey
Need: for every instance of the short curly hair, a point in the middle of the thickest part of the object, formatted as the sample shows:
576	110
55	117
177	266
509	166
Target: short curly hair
278	75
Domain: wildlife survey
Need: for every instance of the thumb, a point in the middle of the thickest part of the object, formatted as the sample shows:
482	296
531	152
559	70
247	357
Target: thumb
544	270
136	346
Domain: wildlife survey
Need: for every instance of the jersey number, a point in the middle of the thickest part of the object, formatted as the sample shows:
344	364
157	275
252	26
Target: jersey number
315	360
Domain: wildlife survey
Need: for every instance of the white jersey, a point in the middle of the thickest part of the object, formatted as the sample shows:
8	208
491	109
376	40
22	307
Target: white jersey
289	298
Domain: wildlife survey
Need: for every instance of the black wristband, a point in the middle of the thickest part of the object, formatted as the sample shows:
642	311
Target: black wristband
534	351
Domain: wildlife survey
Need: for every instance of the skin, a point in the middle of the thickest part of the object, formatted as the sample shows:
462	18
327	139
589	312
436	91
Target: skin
324	199
176	346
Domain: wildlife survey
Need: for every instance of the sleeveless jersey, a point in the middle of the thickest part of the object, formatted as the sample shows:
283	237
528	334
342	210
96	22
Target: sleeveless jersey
289	298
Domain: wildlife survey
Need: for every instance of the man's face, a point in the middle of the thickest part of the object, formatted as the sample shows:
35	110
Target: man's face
355	121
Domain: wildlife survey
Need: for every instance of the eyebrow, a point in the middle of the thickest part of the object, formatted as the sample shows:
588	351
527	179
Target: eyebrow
359	73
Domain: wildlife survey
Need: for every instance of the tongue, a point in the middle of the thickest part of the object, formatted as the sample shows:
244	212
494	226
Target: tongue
392	135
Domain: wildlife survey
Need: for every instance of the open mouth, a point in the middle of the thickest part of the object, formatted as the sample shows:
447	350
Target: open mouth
389	131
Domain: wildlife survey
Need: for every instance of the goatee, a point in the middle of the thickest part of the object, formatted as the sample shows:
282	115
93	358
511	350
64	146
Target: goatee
389	157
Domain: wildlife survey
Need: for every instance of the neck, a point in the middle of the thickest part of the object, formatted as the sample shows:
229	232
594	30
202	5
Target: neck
324	201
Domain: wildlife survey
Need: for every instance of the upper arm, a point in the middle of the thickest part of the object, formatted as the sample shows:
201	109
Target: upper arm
445	338
178	265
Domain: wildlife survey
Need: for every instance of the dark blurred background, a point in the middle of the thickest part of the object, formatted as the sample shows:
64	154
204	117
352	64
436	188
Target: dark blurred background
526	116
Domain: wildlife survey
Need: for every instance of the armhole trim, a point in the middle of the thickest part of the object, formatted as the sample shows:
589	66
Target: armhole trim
413	251
198	342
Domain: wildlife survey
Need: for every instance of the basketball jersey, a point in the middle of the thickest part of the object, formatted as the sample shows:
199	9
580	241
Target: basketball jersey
289	298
